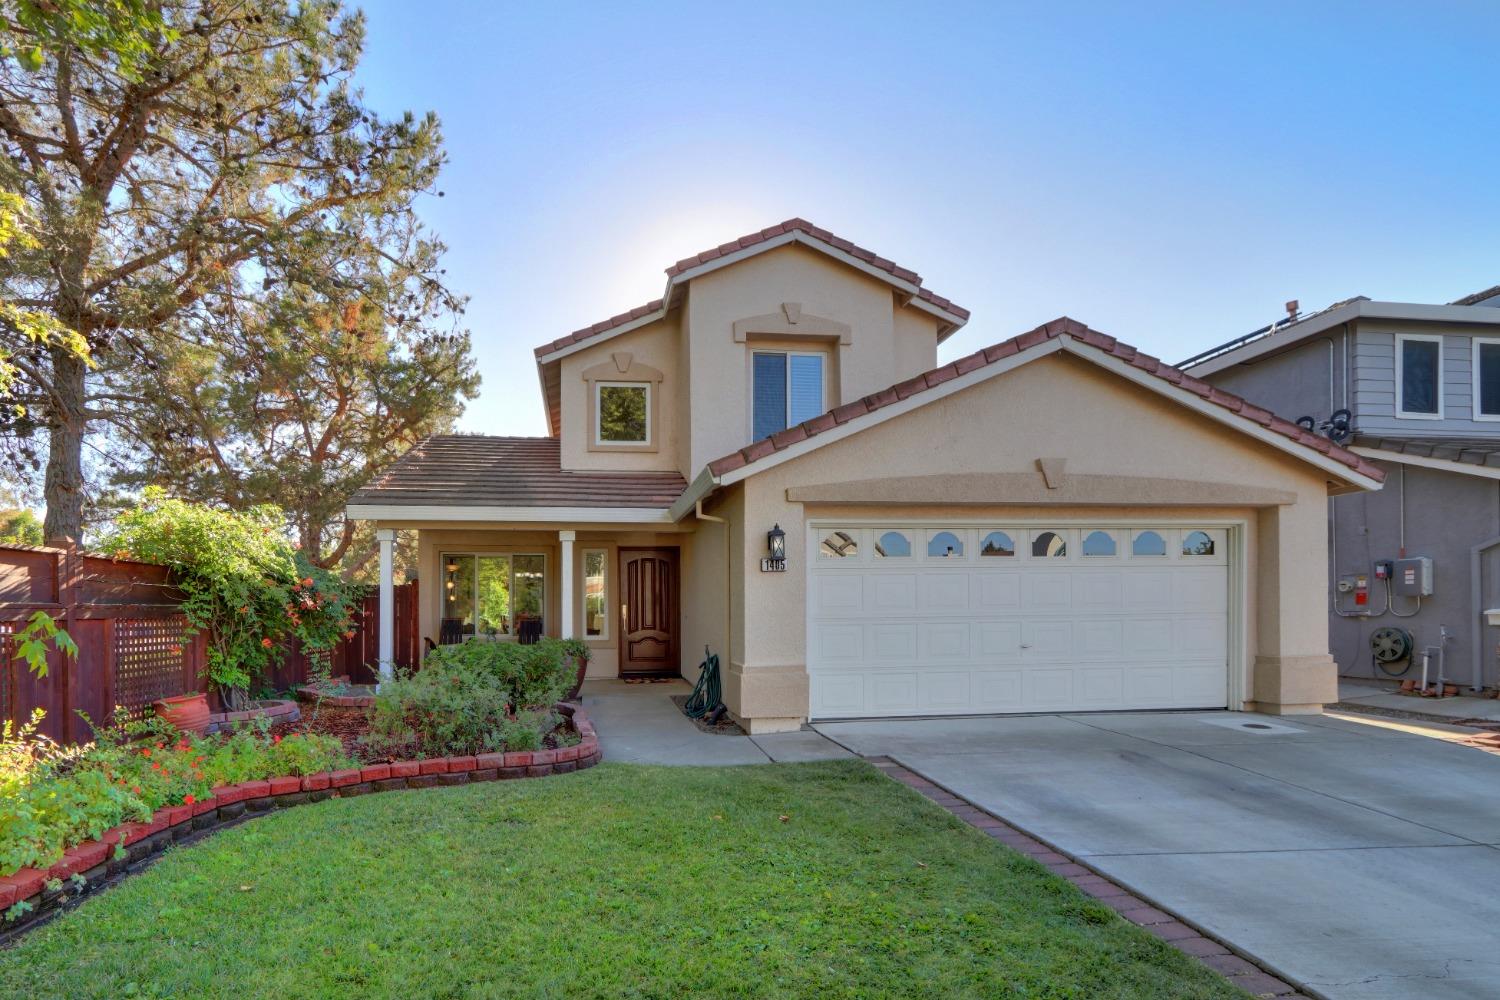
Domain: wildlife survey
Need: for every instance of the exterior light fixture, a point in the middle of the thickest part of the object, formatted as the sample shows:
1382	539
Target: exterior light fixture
776	542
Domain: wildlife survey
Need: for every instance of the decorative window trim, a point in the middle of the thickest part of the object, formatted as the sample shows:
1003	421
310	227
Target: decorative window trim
792	323
1401	411
583	597
623	369
1479	414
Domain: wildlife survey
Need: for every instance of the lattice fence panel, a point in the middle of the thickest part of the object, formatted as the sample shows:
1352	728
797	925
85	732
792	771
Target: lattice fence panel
149	656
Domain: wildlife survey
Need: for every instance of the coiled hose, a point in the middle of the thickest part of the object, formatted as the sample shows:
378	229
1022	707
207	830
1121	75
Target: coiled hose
707	696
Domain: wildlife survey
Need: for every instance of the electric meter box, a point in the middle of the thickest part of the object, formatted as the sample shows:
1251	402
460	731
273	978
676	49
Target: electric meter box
1413	577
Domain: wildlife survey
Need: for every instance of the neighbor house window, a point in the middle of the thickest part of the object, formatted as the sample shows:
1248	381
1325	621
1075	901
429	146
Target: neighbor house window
787	389
1486	379
623	413
491	594
1419	376
595	599
839	545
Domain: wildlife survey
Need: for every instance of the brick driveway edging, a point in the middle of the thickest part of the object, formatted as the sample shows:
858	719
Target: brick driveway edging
1189	940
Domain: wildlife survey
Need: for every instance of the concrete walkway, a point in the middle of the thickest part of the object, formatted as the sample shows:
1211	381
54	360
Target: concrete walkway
1386	695
638	724
1357	861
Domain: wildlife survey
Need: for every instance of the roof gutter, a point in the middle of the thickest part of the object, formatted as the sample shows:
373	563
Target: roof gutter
698	490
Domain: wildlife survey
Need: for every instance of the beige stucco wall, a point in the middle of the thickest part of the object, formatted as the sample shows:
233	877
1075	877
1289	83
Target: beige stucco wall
655	345
1102	425
881	351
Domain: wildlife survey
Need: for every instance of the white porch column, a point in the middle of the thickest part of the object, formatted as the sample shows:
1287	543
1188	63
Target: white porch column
387	650
565	606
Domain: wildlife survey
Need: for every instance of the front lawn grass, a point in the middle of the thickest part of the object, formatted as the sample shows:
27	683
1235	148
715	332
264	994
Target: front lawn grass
812	880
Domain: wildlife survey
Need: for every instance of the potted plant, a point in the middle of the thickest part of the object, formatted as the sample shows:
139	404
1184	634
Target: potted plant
187	712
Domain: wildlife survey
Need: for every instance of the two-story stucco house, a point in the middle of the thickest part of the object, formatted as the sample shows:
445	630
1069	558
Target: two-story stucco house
1056	522
1416	388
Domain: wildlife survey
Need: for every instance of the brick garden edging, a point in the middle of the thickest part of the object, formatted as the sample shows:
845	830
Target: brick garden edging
1210	951
309	692
96	861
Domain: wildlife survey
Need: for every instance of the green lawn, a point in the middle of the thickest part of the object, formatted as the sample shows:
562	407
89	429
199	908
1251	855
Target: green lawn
620	881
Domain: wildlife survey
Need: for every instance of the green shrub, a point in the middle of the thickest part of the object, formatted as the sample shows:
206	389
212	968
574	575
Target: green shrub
457	705
535	676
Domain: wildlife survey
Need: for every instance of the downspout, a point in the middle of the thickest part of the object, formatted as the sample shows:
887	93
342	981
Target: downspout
728	575
1476	579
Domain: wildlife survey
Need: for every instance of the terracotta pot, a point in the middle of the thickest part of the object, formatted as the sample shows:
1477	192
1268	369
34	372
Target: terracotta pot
188	712
583	666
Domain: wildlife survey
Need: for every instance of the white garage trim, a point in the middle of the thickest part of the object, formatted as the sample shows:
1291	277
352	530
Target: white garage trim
1230	536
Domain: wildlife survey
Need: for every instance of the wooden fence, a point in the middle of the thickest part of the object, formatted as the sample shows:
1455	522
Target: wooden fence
133	646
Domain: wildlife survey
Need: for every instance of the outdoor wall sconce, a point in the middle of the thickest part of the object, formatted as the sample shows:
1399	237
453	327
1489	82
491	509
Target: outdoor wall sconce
776	546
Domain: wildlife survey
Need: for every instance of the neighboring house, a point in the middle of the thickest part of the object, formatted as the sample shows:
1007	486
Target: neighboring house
1421	384
1057	522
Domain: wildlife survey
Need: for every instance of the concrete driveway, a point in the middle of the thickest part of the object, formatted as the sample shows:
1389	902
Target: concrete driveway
1354	860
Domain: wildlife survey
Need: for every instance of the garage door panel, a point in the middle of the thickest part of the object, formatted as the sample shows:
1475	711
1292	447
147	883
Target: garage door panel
892	641
944	593
890	594
1043	590
943	640
838	595
963	635
1098	591
840	643
997	591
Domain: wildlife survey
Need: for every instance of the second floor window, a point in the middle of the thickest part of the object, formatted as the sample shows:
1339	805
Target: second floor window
1419	376
1487	379
788	389
624	413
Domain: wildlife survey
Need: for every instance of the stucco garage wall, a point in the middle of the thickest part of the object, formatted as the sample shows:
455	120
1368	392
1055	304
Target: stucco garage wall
1102	425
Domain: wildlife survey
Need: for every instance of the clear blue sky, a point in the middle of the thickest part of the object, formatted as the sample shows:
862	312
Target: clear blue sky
1168	173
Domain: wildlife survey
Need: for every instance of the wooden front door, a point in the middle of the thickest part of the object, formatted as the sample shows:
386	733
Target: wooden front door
648	612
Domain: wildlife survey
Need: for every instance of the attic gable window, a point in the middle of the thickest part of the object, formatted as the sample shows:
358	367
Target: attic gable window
624	413
787	389
1419	376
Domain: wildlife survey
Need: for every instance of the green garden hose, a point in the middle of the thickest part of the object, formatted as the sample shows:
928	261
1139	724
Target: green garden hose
706	696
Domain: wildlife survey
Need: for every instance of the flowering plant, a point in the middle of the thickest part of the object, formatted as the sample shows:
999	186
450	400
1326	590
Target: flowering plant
244	584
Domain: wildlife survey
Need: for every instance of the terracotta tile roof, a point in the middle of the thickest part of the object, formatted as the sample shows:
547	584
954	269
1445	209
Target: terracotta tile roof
461	470
1063	327
733	246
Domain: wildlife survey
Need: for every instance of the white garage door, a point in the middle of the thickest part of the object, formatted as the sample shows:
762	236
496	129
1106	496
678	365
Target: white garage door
909	619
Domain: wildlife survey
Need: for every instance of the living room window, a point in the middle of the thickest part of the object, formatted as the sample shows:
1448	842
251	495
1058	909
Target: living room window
1419	376
787	389
1486	378
622	413
491	595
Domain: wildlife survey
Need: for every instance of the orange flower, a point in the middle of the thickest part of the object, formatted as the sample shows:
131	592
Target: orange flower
307	581
146	752
135	789
188	800
266	643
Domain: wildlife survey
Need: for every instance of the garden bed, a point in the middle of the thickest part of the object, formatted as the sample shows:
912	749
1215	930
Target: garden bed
273	710
351	725
31	895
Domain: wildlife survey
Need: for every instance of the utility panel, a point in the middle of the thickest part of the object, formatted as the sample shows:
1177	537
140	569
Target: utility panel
1413	577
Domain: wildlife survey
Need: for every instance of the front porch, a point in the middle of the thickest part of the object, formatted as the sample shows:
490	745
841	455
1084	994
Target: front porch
638	597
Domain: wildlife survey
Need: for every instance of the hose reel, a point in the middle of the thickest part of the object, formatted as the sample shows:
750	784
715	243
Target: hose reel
1391	645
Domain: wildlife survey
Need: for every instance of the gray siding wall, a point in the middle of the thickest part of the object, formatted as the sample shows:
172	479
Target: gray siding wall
1447	514
1375	384
1296	383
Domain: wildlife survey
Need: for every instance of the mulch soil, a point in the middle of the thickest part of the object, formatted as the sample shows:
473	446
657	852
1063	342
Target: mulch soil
724	727
350	725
